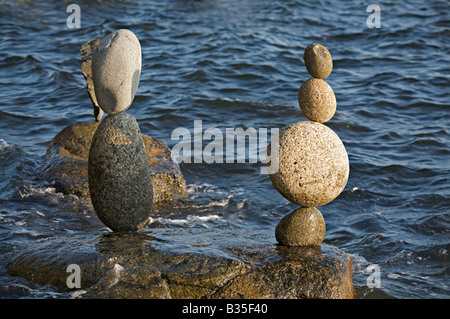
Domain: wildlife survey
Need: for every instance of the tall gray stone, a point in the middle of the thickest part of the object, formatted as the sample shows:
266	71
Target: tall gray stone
119	177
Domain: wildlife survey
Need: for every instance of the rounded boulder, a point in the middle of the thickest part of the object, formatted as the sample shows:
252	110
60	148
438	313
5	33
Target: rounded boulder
120	183
116	68
313	165
302	227
317	100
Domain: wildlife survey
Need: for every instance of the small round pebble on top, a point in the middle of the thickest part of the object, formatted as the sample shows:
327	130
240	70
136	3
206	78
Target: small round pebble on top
318	61
317	100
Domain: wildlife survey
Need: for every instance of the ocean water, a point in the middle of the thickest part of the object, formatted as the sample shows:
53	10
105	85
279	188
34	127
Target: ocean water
237	64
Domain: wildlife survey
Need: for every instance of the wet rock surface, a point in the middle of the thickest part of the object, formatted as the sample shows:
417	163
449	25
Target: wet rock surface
186	263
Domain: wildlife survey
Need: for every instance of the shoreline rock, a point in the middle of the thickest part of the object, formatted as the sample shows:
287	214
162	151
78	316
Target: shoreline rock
187	263
66	165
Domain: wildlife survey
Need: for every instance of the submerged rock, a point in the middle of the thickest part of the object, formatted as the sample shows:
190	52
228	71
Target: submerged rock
186	263
66	165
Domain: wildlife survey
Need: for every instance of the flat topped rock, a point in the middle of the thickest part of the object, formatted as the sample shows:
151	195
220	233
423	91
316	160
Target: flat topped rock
187	263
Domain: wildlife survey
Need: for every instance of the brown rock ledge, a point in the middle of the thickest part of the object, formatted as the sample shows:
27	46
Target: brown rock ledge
187	263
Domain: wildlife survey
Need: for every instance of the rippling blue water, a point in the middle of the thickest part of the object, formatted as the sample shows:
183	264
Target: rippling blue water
239	64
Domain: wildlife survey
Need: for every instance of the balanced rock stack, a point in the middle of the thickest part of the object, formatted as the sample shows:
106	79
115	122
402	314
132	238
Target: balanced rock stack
120	184
313	165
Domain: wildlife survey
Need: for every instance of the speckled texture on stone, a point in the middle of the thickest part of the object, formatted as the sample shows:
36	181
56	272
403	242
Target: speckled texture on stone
317	100
116	68
313	164
302	227
318	61
119	177
66	165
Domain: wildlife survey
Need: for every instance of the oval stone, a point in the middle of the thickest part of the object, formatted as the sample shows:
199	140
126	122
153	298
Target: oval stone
302	227
313	166
318	61
317	100
116	68
120	184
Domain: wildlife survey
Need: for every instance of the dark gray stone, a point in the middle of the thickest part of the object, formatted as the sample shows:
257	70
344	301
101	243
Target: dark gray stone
66	165
119	177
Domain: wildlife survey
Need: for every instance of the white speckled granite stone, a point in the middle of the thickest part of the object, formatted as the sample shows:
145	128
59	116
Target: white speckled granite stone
313	166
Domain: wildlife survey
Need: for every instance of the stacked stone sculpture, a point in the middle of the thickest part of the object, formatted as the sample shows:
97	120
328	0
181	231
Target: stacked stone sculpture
120	183
313	165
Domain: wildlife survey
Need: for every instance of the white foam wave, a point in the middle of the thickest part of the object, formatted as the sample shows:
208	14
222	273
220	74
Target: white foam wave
189	221
117	273
30	190
77	293
202	187
3	144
